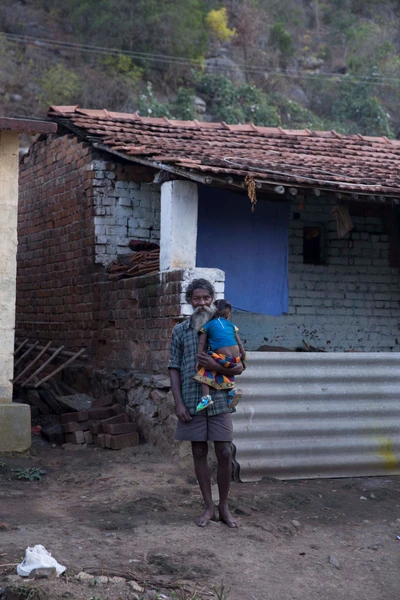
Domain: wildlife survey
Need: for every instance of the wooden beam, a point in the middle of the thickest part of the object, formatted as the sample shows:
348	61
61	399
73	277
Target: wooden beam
60	368
40	369
25	354
34	361
21	346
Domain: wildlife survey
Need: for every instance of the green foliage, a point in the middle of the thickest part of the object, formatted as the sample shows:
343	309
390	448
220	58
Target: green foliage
183	107
257	107
156	26
60	85
281	40
351	108
295	116
359	111
147	104
237	104
123	65
29	473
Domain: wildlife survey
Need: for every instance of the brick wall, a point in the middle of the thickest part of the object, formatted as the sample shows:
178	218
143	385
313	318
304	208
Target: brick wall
55	251
126	206
351	302
135	320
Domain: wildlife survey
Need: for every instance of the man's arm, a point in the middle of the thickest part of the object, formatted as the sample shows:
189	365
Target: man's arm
176	356
176	387
210	364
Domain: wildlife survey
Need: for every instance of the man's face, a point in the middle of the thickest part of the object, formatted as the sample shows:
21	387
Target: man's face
202	309
201	298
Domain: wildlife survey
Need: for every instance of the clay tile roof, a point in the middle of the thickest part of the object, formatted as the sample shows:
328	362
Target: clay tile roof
325	159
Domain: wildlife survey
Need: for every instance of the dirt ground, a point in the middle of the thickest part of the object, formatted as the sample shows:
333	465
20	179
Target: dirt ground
130	514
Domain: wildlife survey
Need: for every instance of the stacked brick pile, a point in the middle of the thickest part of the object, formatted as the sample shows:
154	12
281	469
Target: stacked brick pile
140	263
107	427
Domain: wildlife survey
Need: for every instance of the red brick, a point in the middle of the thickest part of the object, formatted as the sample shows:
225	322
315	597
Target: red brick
100	440
77	437
73	417
101	413
117	409
119	428
76	426
99	426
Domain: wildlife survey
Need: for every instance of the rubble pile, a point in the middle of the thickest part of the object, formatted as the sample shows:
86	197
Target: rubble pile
78	419
107	427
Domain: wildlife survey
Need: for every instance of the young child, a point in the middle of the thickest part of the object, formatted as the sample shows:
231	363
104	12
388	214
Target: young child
226	349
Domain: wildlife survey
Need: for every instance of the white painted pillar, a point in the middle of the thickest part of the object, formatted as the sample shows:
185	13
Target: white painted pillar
178	235
14	418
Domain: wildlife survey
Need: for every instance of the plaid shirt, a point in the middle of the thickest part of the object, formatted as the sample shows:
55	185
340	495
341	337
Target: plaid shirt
183	358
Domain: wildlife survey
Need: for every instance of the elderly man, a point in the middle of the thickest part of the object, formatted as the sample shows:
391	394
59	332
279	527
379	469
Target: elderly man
213	424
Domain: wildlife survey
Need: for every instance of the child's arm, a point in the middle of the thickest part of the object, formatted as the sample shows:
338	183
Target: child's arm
241	349
239	343
202	342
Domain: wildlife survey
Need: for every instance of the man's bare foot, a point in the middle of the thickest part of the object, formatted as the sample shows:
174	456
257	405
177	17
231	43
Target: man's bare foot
226	517
208	515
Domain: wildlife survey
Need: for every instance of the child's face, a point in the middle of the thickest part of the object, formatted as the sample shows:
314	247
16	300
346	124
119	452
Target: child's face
228	315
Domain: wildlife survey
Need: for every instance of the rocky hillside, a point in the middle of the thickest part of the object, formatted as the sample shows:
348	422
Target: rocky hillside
294	63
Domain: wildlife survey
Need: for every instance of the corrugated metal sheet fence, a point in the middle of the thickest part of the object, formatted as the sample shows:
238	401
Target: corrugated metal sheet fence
306	415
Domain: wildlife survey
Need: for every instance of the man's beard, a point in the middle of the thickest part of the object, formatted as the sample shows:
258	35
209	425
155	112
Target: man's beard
201	315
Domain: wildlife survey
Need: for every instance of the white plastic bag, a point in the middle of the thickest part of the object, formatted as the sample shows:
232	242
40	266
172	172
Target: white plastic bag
37	558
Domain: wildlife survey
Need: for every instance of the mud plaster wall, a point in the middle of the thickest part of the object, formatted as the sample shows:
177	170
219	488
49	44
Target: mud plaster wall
351	302
8	245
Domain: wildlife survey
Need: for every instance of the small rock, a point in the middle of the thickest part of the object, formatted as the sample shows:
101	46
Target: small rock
243	510
218	523
334	561
295	523
43	573
362	498
100	580
372	496
74	447
5	527
82	576
135	586
116	579
151	595
270	527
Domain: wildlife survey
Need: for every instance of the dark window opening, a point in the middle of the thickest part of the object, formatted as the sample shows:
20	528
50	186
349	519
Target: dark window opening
312	245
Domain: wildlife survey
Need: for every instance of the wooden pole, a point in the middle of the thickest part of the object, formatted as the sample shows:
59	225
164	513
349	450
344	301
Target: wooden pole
60	368
35	360
40	369
25	354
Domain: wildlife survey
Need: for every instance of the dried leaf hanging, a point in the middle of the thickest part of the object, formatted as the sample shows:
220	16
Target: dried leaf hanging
251	191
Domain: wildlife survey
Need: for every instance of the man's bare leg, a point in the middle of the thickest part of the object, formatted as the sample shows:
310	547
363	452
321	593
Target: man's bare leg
200	452
223	452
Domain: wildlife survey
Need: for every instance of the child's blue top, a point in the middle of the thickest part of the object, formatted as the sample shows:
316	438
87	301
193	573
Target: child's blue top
220	332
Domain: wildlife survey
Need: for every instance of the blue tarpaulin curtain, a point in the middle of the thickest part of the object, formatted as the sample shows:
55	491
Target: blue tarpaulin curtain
252	248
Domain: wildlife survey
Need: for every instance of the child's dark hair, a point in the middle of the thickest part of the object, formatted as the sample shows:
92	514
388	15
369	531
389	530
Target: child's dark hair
223	307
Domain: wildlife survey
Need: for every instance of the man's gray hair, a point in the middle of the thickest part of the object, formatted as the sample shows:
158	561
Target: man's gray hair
196	284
